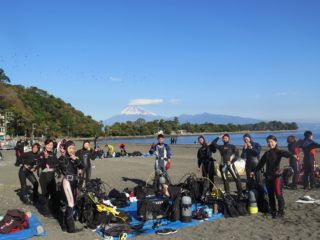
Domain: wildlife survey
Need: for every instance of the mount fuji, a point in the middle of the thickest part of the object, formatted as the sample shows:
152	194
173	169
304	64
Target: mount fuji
132	113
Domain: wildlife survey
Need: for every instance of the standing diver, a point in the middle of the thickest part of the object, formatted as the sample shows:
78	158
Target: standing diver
229	154
47	164
271	159
28	167
163	160
205	160
251	153
308	145
86	154
293	148
70	167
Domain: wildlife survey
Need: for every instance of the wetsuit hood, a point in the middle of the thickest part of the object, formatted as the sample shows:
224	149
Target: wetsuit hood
248	136
68	144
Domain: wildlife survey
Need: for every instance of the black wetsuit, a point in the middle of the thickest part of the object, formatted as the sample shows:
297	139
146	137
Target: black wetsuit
206	161
294	162
227	152
85	157
29	161
309	162
271	159
47	179
252	156
69	169
19	148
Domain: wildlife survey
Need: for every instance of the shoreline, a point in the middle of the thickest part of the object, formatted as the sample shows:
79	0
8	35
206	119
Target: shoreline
180	135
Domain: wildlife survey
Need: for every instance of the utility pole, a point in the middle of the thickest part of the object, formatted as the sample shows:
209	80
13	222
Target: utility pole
33	128
46	130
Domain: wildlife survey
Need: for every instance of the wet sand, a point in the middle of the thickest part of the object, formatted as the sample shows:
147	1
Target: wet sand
302	221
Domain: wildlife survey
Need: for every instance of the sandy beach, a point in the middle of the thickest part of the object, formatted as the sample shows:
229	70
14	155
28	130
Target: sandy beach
302	221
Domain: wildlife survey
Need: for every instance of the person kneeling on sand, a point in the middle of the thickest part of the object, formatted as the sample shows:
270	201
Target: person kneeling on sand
272	159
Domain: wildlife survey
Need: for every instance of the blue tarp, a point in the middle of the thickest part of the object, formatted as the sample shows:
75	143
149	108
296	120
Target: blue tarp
147	229
25	233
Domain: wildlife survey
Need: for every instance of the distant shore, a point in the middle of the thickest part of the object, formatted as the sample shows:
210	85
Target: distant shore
181	135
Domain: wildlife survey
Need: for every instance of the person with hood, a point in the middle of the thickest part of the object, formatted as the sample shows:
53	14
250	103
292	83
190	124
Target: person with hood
229	154
251	153
27	169
294	149
205	160
61	147
272	159
163	160
86	154
47	165
70	167
308	147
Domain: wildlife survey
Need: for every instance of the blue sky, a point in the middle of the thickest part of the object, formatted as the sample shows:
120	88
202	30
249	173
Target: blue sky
253	58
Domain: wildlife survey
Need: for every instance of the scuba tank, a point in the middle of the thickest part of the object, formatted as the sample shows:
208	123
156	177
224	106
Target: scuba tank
186	209
162	180
253	206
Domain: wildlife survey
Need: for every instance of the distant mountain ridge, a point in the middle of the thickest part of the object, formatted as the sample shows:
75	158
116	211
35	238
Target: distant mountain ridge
216	118
132	113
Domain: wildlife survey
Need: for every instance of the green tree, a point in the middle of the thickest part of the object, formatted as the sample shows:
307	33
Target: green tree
3	77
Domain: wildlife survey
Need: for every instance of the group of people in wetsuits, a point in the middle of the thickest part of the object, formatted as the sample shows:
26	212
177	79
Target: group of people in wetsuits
59	178
255	164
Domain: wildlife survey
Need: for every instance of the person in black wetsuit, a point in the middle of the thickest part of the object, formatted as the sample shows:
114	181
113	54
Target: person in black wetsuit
205	160
293	148
86	154
251	153
69	166
19	149
229	154
28	167
272	159
47	165
308	145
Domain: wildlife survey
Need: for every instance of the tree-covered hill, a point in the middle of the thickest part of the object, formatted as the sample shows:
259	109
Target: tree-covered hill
49	115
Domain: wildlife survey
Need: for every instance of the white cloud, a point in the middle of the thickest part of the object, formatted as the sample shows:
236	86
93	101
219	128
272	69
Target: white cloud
145	101
174	101
115	79
280	94
284	93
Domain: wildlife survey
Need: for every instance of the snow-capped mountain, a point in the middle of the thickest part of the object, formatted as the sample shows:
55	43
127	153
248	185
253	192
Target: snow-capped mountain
132	113
134	110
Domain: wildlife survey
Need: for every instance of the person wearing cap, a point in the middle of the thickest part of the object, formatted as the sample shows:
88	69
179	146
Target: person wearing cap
86	154
47	165
69	166
308	146
229	154
272	159
163	159
251	153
